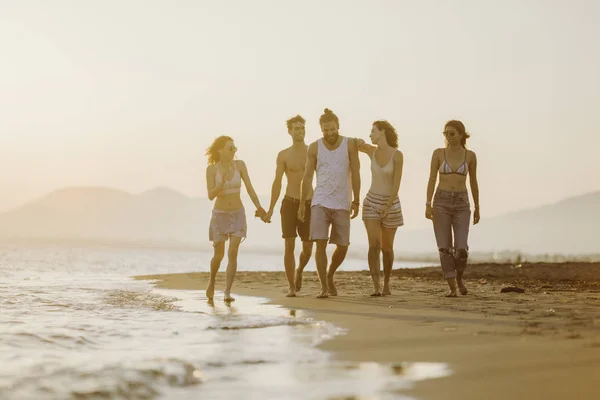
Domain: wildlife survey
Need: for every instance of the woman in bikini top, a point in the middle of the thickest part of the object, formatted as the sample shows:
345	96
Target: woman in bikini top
224	176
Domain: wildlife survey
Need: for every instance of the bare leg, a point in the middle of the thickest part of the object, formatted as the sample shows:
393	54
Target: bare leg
336	260
232	253
215	263
373	227
321	261
304	258
388	235
461	284
452	286
289	261
460	259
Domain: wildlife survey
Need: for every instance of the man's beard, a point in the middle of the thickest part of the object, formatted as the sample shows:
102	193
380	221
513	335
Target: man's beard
332	139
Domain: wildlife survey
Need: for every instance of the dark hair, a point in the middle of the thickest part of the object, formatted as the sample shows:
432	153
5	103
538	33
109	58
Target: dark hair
293	120
213	151
329	116
390	133
460	127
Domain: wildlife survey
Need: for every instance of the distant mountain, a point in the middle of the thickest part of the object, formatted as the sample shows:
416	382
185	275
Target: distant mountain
163	216
160	216
571	226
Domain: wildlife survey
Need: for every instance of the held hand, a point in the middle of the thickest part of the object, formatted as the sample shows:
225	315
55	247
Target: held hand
267	218
301	211
476	216
429	212
260	213
354	210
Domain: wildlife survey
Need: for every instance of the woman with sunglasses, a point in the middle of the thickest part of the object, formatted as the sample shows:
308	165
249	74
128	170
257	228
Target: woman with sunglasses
451	210
224	177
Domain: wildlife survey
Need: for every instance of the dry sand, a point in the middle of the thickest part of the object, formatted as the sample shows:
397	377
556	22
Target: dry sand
541	344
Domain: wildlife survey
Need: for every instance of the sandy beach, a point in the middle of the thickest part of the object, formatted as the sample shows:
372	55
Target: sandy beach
540	344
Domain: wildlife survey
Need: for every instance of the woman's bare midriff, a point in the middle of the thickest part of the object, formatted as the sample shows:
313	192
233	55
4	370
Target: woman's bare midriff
228	202
453	183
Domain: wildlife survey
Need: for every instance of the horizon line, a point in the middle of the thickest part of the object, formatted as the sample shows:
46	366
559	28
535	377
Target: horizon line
182	194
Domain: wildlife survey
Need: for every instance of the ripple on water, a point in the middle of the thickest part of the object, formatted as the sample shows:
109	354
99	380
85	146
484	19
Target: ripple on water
127	381
74	327
136	299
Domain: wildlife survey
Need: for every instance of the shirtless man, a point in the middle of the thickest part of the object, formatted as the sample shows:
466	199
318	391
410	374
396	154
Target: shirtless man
291	161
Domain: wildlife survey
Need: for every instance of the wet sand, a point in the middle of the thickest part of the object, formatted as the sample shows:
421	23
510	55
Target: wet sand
544	343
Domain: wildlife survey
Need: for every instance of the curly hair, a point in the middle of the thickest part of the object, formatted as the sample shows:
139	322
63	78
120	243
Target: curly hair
460	127
293	120
213	151
390	133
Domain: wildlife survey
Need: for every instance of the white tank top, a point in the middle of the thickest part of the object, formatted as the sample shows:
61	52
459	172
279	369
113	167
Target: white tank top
333	177
382	178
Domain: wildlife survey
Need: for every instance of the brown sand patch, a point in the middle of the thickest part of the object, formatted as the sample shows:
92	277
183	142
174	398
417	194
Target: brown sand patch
543	343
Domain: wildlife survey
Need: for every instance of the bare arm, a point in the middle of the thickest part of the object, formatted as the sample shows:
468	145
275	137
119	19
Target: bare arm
364	147
435	165
355	170
309	172
473	180
398	165
246	178
276	187
211	187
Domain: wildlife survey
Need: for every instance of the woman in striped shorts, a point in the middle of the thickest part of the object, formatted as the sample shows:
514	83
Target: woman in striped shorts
381	211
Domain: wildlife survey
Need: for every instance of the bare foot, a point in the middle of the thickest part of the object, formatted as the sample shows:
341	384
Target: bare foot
227	298
331	286
386	290
298	282
376	291
452	286
323	294
291	293
461	287
210	290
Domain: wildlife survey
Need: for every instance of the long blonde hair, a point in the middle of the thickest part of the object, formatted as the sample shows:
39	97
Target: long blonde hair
217	145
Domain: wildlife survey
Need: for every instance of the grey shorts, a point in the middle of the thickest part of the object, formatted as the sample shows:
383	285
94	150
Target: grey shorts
321	218
224	224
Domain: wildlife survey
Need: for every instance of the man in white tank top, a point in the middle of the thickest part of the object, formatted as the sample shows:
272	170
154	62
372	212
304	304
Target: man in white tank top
335	158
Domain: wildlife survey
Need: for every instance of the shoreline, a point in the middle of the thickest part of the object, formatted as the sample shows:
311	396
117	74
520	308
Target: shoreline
544	343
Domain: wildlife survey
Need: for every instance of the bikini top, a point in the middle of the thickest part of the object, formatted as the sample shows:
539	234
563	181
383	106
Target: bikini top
231	186
445	168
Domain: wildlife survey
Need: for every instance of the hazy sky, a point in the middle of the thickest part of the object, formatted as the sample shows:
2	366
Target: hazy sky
128	94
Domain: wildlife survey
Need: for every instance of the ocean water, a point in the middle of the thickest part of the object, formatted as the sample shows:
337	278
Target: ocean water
75	325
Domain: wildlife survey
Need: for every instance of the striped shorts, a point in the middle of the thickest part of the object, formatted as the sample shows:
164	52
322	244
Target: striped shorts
373	206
